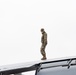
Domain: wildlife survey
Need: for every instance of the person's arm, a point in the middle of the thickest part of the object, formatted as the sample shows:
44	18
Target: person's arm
45	38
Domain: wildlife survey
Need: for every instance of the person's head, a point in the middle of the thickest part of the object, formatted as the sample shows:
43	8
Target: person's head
42	30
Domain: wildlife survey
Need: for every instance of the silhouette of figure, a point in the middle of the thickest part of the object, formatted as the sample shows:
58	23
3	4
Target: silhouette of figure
44	43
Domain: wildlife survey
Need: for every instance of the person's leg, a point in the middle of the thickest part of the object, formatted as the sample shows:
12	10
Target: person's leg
43	52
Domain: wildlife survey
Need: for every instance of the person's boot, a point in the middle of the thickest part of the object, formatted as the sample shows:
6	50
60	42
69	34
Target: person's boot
44	58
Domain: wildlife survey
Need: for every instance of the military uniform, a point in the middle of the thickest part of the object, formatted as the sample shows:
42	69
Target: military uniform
44	43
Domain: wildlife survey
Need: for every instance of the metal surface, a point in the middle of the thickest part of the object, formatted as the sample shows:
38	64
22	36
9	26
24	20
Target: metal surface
38	68
18	74
37	65
58	71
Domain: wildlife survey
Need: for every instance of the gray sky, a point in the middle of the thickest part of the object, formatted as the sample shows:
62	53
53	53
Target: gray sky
20	24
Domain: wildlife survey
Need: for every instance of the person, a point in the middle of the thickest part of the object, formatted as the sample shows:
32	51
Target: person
44	43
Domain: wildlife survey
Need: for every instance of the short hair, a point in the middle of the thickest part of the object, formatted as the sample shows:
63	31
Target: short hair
42	29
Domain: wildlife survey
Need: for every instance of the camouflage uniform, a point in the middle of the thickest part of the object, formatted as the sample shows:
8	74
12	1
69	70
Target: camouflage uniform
44	43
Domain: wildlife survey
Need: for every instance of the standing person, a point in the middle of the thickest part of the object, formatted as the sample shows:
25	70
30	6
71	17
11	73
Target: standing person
44	43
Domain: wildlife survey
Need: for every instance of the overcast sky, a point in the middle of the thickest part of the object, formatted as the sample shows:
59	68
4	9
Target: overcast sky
20	24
